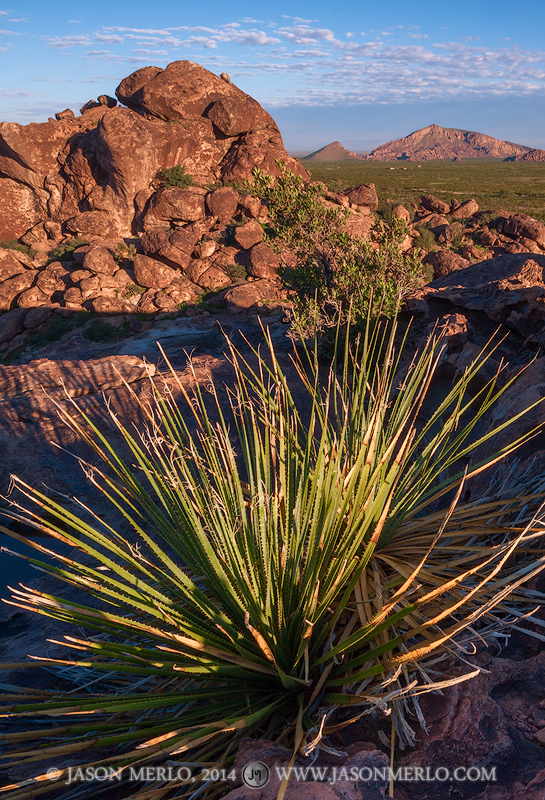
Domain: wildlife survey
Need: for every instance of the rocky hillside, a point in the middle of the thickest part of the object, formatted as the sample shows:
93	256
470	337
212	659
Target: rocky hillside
434	143
532	155
97	174
333	152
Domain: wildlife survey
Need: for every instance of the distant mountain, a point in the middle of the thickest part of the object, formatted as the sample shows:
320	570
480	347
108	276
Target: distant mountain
446	144
333	152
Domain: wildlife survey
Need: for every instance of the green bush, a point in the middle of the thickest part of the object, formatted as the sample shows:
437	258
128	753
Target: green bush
426	240
176	176
56	327
334	271
64	252
290	555
100	331
13	244
133	289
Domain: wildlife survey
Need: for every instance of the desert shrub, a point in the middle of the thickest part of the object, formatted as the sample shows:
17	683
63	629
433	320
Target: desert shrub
427	239
100	331
132	290
334	271
13	244
236	272
56	327
176	176
290	555
64	251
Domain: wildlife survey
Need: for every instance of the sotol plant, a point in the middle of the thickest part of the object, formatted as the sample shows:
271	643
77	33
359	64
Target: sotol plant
293	553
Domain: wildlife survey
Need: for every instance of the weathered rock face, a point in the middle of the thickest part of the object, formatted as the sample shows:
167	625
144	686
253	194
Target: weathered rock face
57	171
20	209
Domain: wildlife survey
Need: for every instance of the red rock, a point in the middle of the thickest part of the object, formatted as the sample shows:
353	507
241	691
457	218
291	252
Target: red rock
28	153
363	195
523	225
263	262
465	210
401	212
488	237
109	305
20	208
257	150
66	114
432	203
73	295
106	100
151	273
248	235
165	302
11	324
205	274
254	207
245	295
80	275
92	223
129	90
99	261
276	758
32	298
168	205
183	90
223	203
89	286
13	287
10	265
233	116
173	248
444	262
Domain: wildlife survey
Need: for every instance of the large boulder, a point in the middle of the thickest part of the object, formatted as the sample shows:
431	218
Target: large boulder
185	90
363	195
10	265
173	249
510	289
444	262
151	273
174	205
524	226
433	204
12	287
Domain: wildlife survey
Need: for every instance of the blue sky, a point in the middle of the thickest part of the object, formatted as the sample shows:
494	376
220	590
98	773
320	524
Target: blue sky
362	73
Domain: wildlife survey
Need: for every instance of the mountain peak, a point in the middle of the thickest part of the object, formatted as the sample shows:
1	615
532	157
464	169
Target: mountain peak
332	152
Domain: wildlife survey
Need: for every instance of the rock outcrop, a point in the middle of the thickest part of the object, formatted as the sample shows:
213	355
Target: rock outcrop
445	144
532	155
96	174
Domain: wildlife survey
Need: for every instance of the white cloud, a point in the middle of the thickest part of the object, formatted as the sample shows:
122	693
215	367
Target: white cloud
151	52
61	42
50	80
8	33
16	93
109	38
